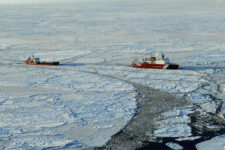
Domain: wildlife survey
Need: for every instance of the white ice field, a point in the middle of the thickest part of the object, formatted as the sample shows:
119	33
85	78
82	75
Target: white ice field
85	101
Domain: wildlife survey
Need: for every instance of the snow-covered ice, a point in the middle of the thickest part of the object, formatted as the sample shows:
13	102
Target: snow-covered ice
174	146
50	99
188	138
174	124
217	143
175	130
90	97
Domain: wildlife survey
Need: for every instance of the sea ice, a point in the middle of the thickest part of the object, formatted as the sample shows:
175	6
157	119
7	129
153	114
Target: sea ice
90	96
174	146
175	130
217	143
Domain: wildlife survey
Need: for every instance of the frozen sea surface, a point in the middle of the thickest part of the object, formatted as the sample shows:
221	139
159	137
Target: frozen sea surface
85	100
47	103
215	143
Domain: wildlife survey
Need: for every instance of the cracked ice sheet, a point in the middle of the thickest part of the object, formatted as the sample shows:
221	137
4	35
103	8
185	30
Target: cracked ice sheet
198	98
217	143
173	123
175	130
91	103
45	35
172	81
220	78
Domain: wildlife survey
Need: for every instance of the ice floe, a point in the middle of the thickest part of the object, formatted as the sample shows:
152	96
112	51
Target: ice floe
215	143
174	146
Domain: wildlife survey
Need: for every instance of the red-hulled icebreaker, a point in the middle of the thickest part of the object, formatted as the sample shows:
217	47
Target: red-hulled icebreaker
152	63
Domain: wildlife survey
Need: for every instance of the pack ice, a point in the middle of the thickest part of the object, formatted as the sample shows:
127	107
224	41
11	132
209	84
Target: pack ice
89	97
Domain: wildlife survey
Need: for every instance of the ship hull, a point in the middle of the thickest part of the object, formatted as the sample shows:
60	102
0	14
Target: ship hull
155	66
173	66
43	63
